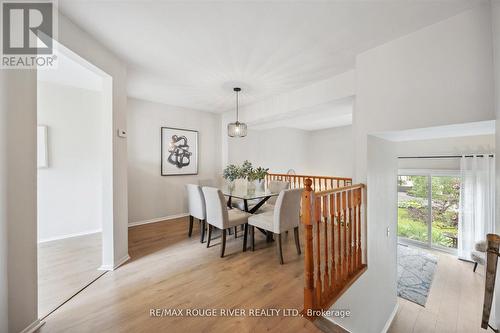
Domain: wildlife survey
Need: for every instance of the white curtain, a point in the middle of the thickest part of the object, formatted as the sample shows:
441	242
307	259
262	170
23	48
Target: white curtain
477	202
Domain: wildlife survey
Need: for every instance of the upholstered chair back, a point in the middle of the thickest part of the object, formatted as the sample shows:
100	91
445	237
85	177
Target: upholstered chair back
287	210
196	201
216	207
276	186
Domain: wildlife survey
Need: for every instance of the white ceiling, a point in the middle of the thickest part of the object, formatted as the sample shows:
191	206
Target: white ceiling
192	53
439	132
70	73
332	114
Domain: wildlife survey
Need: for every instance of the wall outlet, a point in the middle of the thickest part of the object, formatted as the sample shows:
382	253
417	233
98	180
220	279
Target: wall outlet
388	232
122	133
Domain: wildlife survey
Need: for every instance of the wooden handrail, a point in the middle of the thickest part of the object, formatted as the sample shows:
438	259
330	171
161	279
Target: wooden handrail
334	257
318	183
492	254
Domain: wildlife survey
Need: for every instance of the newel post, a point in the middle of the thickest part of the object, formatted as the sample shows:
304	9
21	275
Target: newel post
308	256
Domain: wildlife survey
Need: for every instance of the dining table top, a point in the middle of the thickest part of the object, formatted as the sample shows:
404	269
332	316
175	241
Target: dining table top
249	194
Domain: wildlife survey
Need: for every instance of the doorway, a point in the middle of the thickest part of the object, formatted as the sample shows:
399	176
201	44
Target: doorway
428	207
74	190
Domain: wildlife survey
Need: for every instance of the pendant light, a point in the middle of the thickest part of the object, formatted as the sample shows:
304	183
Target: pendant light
237	129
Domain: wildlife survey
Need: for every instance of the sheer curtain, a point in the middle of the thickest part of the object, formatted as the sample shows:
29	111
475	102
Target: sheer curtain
477	202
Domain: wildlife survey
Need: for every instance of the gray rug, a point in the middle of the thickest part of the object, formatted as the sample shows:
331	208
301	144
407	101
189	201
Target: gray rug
416	269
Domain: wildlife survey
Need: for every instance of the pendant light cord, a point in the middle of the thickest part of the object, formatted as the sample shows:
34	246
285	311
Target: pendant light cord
237	111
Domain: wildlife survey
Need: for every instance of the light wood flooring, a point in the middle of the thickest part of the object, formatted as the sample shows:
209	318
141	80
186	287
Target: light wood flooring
454	303
64	267
169	270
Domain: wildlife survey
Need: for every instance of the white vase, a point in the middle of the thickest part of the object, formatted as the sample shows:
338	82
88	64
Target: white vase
259	185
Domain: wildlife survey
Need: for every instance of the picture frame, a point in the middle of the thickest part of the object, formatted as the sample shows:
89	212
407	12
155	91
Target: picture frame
42	147
179	151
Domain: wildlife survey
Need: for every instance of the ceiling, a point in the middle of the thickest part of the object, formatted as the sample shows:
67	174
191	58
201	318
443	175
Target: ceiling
333	114
70	73
439	132
192	53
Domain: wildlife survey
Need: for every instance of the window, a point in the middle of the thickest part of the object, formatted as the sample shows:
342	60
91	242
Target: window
428	209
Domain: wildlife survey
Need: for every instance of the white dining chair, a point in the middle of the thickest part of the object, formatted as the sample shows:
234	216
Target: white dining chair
284	217
220	217
197	209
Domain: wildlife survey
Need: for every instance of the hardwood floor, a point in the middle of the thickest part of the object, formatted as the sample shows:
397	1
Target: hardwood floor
64	267
454	303
169	270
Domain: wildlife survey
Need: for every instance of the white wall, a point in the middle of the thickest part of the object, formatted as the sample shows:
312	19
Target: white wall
372	304
445	146
154	196
325	152
330	152
278	149
115	235
291	103
18	258
495	15
439	75
70	190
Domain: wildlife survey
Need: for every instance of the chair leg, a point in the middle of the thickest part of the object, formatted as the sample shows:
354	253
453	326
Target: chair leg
190	225
280	250
202	230
236	232
245	237
223	245
475	266
296	236
209	234
252	237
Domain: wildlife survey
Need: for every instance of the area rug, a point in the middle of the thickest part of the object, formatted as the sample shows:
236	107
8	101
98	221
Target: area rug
416	269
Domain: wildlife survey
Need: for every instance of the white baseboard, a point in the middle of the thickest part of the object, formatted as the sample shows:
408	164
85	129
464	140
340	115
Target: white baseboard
158	219
391	318
33	326
70	235
115	265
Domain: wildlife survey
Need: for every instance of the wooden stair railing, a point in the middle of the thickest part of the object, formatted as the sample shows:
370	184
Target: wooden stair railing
319	183
335	250
492	254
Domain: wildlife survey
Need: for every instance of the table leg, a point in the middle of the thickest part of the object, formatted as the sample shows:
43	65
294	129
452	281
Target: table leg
245	238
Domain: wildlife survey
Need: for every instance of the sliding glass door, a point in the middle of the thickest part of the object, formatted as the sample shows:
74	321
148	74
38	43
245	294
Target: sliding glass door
428	209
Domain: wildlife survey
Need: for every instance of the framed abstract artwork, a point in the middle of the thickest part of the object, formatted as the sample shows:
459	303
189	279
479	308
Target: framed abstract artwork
179	151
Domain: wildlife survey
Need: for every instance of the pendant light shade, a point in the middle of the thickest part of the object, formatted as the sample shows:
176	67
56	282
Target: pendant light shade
237	129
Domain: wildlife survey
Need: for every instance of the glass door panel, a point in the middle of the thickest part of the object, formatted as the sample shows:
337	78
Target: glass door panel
413	208
445	198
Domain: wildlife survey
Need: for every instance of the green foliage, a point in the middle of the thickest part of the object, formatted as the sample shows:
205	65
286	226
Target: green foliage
231	172
445	195
258	173
417	229
245	171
